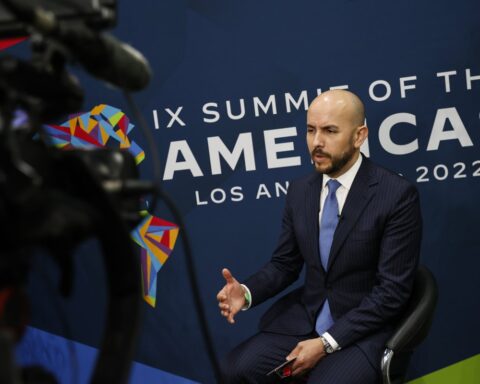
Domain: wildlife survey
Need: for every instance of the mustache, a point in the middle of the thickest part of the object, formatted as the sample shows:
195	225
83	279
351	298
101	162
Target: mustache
318	152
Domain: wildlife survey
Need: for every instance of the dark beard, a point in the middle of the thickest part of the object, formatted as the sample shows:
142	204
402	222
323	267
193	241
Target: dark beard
337	162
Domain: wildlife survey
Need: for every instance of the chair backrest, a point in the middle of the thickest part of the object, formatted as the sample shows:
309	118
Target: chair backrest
417	319
411	329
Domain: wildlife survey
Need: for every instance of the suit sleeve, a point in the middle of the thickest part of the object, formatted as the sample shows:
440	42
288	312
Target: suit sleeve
398	261
285	265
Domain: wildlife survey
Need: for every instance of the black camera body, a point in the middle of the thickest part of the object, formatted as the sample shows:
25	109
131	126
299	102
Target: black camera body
55	198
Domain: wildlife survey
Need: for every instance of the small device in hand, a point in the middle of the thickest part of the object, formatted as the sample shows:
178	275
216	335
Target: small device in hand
283	370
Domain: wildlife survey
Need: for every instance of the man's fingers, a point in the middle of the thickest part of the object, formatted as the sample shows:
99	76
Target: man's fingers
297	371
228	315
224	298
297	367
227	275
230	318
296	364
293	354
224	307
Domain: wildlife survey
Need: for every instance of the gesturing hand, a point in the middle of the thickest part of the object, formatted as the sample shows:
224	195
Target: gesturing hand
231	298
308	353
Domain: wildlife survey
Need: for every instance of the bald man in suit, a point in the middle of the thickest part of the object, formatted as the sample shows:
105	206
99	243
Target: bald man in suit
357	228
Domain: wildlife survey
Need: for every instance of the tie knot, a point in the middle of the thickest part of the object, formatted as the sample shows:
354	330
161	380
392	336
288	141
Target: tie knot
333	185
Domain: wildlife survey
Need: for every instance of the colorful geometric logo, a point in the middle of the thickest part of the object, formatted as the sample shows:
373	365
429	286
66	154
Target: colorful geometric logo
106	126
157	238
103	126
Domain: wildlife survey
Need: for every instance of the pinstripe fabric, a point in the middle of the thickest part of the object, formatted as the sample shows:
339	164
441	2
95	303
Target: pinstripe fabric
250	361
372	262
348	366
253	359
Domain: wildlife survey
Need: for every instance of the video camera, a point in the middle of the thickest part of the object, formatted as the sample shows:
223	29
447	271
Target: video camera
55	199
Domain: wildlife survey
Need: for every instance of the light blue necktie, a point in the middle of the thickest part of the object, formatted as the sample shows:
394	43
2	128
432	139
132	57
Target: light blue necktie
328	225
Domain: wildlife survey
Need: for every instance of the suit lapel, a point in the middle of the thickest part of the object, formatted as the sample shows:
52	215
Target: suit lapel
358	197
312	208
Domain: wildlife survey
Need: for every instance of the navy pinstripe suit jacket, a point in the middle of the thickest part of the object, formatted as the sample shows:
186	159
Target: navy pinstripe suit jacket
372	262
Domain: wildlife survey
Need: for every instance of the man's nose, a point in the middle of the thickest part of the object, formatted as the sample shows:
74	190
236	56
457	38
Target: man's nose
318	140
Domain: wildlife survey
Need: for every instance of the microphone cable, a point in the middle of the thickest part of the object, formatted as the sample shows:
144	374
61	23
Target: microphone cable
191	270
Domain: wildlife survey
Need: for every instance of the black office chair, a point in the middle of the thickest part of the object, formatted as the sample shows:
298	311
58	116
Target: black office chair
412	328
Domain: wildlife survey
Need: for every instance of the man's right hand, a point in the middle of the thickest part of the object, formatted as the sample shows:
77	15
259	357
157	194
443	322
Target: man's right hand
231	298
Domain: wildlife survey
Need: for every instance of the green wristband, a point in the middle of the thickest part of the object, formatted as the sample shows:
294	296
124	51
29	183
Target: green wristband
248	297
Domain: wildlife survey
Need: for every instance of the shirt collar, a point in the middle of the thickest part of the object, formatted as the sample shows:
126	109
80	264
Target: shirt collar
346	179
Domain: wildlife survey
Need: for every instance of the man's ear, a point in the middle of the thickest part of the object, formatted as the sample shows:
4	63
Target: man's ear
360	135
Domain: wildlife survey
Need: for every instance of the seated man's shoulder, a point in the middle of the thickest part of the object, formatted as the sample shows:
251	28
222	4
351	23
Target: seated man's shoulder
305	181
393	181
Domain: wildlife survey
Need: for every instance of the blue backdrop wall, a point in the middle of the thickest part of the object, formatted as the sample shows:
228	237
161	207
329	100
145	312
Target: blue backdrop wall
240	75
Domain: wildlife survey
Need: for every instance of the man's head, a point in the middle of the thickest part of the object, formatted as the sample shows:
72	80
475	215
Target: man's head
335	131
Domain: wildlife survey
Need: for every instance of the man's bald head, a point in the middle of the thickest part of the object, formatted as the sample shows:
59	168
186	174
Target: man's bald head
345	102
335	131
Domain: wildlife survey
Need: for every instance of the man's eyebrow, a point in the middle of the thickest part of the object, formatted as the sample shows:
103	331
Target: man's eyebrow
323	126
